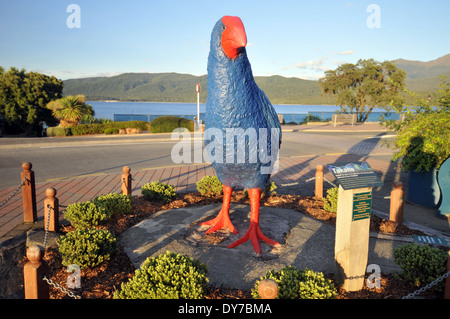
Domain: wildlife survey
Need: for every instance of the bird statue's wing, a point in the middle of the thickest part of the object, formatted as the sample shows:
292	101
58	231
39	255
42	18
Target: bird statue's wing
269	113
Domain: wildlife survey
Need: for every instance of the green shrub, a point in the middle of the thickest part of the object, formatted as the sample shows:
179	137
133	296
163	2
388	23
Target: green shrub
111	130
115	203
107	127
158	191
167	276
269	190
86	129
58	131
166	124
313	285
330	202
299	284
86	247
421	264
85	215
209	186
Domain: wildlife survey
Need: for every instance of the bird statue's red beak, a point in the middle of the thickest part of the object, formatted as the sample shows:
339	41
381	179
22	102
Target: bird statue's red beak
234	38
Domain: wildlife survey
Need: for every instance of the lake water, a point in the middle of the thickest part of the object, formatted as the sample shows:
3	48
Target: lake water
121	111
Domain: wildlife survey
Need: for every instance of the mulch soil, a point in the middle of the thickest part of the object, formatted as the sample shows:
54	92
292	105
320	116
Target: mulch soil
100	282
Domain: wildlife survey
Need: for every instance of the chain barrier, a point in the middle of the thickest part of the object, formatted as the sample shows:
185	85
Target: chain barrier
326	180
48	226
431	284
60	288
48	280
13	193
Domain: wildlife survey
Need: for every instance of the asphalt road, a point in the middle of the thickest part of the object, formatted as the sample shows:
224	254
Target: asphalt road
57	158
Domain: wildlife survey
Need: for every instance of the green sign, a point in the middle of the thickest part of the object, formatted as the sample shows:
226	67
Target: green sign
362	205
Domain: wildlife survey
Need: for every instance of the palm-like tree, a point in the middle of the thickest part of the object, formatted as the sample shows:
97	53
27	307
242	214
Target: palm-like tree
70	109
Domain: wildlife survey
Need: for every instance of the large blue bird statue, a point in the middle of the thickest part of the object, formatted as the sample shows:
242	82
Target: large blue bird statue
242	131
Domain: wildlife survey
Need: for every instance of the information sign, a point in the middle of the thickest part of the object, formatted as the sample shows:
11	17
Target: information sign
355	175
362	205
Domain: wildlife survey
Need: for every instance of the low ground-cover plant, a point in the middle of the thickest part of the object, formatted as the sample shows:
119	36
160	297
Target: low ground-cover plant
209	186
86	247
115	204
167	276
158	191
86	214
421	264
294	283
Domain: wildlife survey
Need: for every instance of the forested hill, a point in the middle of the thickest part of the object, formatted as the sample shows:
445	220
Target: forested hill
176	87
422	77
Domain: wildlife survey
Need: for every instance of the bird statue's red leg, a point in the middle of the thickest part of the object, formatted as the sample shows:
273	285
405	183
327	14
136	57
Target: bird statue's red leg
254	233
222	220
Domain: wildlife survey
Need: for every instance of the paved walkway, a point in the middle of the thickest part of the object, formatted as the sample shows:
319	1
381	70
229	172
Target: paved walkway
290	178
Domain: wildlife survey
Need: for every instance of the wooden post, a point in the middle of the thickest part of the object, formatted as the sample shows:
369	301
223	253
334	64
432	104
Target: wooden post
53	202
35	287
319	181
352	237
447	281
268	289
397	199
126	181
28	194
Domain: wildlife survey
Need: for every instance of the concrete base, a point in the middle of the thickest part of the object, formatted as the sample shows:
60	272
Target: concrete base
306	242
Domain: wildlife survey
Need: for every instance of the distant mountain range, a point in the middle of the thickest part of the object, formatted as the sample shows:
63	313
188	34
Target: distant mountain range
422	77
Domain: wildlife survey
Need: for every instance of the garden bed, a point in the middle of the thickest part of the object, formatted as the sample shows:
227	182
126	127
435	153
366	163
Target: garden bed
100	282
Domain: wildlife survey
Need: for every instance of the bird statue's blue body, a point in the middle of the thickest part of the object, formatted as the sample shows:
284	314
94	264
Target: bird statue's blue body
245	126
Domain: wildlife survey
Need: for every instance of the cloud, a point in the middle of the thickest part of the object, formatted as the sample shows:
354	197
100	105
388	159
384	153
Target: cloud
348	52
310	64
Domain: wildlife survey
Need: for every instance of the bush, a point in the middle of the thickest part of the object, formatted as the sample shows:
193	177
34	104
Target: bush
107	127
58	131
421	264
114	203
269	190
330	202
209	186
299	284
166	124
313	285
110	130
167	276
86	215
158	191
86	247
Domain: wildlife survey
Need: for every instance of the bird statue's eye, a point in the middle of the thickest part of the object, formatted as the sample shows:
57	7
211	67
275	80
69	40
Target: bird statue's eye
223	28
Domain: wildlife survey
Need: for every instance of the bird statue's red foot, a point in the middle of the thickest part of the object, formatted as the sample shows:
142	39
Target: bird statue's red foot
254	233
222	220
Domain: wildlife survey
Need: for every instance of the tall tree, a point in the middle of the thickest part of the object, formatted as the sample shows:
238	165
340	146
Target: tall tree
361	87
23	99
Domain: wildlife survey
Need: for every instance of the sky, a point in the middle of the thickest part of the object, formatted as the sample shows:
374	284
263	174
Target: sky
303	39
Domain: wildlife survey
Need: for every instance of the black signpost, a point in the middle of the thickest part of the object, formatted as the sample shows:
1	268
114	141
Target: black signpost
355	175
